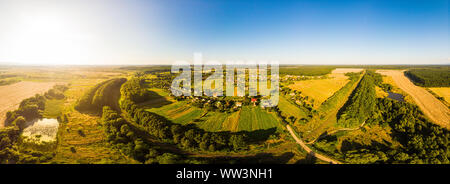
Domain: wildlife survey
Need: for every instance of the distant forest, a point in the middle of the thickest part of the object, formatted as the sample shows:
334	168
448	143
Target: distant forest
435	77
306	70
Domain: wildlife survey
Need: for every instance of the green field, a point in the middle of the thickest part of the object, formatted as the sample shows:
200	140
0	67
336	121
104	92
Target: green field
288	109
249	118
255	118
53	108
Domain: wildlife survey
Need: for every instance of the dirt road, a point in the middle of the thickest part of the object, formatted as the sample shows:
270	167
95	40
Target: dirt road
432	107
12	95
308	150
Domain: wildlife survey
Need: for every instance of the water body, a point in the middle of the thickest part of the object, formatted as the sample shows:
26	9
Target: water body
396	96
41	130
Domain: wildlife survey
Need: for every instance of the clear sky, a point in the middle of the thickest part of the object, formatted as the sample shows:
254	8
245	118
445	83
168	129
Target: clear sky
163	31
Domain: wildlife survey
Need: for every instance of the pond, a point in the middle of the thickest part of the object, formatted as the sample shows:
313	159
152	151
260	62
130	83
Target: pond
41	130
396	96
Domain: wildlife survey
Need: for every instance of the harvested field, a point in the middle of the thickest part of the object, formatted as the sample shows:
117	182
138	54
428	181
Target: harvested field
432	107
12	95
322	89
442	92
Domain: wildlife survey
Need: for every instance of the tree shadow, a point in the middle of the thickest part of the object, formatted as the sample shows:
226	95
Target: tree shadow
309	159
260	158
155	101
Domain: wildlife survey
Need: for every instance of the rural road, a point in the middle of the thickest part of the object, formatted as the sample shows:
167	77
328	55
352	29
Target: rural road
308	150
430	106
12	95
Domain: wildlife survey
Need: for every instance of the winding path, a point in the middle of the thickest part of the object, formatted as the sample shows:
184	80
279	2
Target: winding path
308	150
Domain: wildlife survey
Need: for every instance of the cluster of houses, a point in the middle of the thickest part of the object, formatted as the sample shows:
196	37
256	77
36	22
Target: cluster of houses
221	103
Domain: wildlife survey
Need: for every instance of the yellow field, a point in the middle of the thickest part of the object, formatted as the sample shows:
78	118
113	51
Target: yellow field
380	93
442	92
396	89
430	105
321	89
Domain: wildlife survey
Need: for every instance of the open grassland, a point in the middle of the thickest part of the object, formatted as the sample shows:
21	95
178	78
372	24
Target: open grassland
442	92
53	108
432	107
12	95
82	139
158	98
289	109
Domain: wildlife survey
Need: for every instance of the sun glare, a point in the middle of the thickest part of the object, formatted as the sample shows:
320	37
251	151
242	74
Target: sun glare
48	38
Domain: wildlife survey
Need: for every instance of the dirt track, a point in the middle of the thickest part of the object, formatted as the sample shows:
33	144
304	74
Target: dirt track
12	95
432	107
308	150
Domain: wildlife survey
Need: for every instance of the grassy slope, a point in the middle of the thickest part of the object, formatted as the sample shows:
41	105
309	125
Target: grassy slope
288	109
88	145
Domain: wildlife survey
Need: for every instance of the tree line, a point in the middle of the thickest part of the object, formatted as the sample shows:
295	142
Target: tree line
432	77
103	94
361	103
124	135
188	137
10	136
421	140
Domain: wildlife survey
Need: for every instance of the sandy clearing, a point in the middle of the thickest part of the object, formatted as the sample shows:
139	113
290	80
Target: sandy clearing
12	95
432	107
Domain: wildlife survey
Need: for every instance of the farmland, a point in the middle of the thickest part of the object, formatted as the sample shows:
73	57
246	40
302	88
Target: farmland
432	107
321	89
12	95
443	92
247	119
324	111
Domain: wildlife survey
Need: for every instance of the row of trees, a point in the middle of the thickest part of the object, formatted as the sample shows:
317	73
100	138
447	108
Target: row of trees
29	109
189	137
421	141
361	103
10	136
103	94
125	138
57	92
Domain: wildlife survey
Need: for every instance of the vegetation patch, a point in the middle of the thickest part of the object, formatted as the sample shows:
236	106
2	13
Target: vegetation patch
430	77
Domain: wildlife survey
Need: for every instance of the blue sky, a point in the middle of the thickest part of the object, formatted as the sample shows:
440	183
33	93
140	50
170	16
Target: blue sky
293	32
